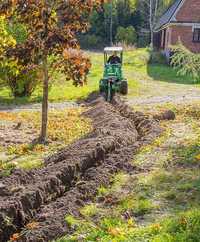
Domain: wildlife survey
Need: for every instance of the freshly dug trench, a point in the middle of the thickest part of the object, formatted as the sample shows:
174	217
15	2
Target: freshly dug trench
113	141
51	218
146	127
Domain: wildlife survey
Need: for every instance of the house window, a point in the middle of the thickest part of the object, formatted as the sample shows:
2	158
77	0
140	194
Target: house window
196	35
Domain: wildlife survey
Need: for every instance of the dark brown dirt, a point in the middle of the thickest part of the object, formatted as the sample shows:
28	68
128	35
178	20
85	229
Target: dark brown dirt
71	177
165	115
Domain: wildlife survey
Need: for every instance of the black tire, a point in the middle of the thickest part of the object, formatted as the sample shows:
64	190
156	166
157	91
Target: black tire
101	90
124	88
100	87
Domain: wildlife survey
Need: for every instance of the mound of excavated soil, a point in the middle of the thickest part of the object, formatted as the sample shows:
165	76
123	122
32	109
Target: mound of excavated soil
165	115
71	177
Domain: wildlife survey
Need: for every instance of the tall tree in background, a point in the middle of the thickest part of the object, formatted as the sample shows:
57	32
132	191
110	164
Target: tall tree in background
52	26
111	22
151	10
123	14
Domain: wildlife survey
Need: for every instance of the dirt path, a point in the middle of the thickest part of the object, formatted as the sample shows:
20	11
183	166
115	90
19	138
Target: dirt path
151	92
174	99
71	177
156	92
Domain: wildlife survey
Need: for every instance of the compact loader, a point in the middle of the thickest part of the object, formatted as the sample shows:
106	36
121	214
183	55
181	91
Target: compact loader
113	80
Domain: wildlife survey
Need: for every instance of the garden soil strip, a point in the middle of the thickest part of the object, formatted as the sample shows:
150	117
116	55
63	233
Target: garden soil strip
27	196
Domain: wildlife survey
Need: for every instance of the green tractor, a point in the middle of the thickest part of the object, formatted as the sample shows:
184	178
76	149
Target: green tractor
113	80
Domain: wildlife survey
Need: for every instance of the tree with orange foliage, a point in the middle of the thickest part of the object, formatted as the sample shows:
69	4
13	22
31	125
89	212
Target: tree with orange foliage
52	26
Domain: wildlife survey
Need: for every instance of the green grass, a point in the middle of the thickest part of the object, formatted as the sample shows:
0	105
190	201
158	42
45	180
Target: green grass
183	227
164	73
90	210
137	206
136	71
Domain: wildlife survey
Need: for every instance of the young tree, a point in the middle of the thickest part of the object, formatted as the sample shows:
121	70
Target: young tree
186	62
52	26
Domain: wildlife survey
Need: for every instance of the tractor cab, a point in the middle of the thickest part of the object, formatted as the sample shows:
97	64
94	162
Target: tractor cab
108	51
113	59
113	80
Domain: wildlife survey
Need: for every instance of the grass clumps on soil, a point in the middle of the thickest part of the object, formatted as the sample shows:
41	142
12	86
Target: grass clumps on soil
138	207
183	227
64	127
89	210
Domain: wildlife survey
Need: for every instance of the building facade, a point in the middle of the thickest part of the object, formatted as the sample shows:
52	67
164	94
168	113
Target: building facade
181	22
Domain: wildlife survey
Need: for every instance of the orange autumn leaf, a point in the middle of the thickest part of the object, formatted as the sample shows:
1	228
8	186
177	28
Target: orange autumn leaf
156	227
114	231
15	237
33	225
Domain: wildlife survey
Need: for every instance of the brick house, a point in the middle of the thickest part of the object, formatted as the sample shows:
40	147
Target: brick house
180	22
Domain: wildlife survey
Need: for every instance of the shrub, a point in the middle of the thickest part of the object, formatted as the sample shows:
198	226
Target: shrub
186	62
126	35
157	58
21	80
19	75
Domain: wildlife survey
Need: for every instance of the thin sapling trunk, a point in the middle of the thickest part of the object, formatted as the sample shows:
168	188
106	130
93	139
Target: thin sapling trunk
43	136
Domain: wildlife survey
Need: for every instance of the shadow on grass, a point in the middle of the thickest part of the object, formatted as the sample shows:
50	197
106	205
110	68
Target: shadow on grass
165	73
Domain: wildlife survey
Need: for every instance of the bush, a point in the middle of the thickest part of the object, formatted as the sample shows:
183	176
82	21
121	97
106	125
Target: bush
157	58
126	35
19	76
23	85
22	81
185	62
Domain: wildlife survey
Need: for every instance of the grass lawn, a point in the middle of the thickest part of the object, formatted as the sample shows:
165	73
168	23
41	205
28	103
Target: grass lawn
160	204
141	76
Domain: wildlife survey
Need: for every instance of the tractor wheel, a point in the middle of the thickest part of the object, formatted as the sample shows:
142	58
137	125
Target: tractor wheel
124	88
101	90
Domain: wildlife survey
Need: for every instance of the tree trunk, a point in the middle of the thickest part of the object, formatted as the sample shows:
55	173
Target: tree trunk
150	21
111	23
43	135
155	15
